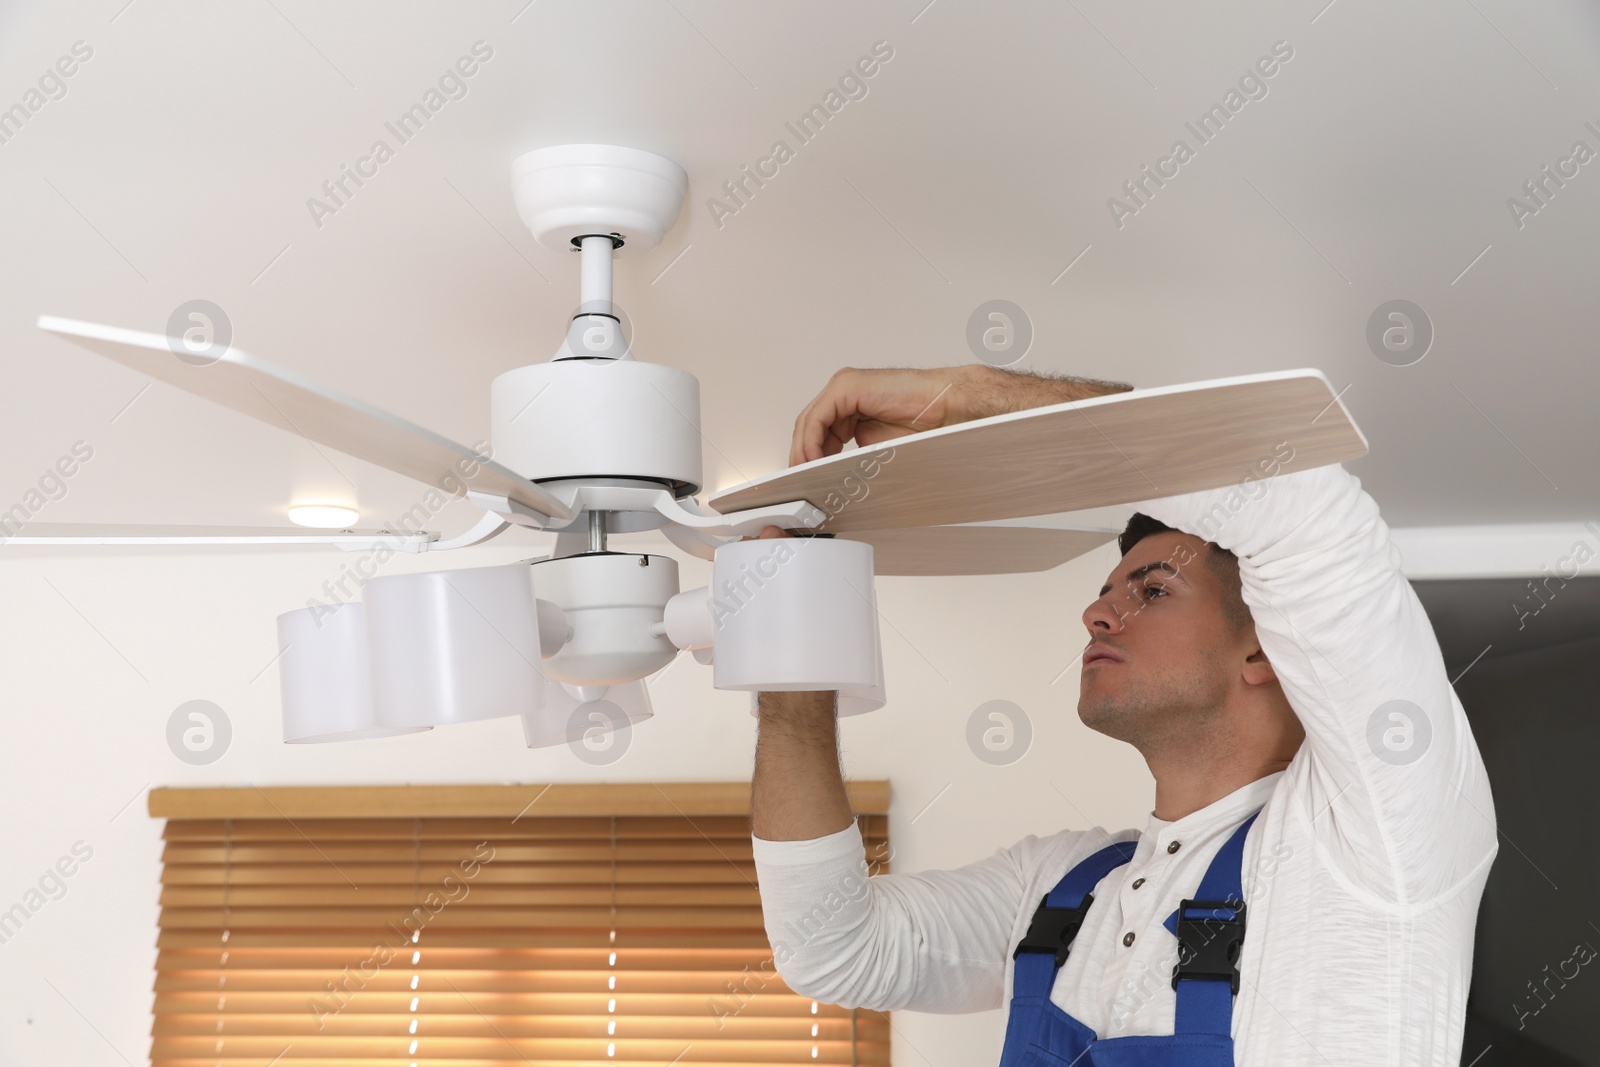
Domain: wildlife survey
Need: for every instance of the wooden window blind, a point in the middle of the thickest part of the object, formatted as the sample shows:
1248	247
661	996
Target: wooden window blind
480	926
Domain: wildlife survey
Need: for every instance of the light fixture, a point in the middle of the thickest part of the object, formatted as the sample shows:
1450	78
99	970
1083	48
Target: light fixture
851	701
573	713
453	646
792	614
437	647
323	516
326	683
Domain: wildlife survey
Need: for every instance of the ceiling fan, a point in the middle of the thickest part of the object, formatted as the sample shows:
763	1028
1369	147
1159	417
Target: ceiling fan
595	442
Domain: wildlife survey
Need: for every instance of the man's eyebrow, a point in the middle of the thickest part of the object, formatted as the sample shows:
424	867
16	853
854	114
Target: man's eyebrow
1140	572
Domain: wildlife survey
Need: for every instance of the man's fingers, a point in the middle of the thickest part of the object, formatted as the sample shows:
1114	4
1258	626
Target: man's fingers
768	533
870	406
808	428
826	423
873	432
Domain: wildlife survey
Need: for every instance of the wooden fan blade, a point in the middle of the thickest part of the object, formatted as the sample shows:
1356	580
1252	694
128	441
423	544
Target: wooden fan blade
299	405
1069	457
949	550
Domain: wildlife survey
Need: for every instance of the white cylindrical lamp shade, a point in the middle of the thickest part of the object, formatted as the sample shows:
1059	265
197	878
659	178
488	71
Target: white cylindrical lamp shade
325	679
567	716
453	646
874	696
850	701
794	614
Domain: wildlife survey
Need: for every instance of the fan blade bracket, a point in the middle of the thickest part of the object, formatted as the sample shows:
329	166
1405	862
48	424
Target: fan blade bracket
698	532
750	522
581	498
490	525
512	511
694	542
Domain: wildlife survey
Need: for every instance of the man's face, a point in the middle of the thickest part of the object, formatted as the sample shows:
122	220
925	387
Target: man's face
1160	616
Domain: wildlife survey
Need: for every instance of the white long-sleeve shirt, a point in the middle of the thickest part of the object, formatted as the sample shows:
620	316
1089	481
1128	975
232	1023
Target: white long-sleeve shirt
1361	877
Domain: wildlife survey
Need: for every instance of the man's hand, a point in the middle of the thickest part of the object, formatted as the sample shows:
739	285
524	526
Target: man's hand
878	405
871	406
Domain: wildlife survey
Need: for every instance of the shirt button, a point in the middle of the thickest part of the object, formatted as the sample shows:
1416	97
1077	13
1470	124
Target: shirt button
1137	882
1127	938
1172	848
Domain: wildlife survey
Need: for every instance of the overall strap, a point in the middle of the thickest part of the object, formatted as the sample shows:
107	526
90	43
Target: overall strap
1210	933
1055	924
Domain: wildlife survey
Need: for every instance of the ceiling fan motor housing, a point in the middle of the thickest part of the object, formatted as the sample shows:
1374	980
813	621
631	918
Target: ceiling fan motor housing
599	418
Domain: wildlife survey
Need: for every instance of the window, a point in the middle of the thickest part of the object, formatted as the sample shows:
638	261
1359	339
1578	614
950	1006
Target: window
479	926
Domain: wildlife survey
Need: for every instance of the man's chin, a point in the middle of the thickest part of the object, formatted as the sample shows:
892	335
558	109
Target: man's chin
1092	715
1103	717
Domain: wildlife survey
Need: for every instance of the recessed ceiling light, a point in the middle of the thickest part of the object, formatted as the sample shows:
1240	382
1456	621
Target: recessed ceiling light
323	516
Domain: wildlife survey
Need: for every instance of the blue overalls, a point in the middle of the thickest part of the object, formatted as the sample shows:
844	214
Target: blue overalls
1210	931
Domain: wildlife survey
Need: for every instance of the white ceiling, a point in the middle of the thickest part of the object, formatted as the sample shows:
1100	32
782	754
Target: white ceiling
179	162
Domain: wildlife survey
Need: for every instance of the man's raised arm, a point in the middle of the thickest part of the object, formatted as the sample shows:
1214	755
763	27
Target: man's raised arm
798	790
936	941
1389	775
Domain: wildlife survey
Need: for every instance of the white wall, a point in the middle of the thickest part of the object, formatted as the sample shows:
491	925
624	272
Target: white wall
98	648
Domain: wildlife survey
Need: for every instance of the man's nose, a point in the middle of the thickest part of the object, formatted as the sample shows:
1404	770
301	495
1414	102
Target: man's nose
1103	615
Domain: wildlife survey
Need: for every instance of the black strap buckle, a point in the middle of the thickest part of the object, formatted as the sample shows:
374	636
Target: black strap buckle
1053	929
1209	947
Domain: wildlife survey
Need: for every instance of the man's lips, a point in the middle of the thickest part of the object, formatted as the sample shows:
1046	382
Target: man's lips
1097	654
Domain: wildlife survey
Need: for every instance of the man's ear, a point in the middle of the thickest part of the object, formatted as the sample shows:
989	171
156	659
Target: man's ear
1258	669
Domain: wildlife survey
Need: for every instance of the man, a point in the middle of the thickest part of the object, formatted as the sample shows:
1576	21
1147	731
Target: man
1316	784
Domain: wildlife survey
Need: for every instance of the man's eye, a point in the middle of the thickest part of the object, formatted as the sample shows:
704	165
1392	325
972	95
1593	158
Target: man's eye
1156	589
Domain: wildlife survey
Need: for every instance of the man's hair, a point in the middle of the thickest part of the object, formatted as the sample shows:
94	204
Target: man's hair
1221	562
